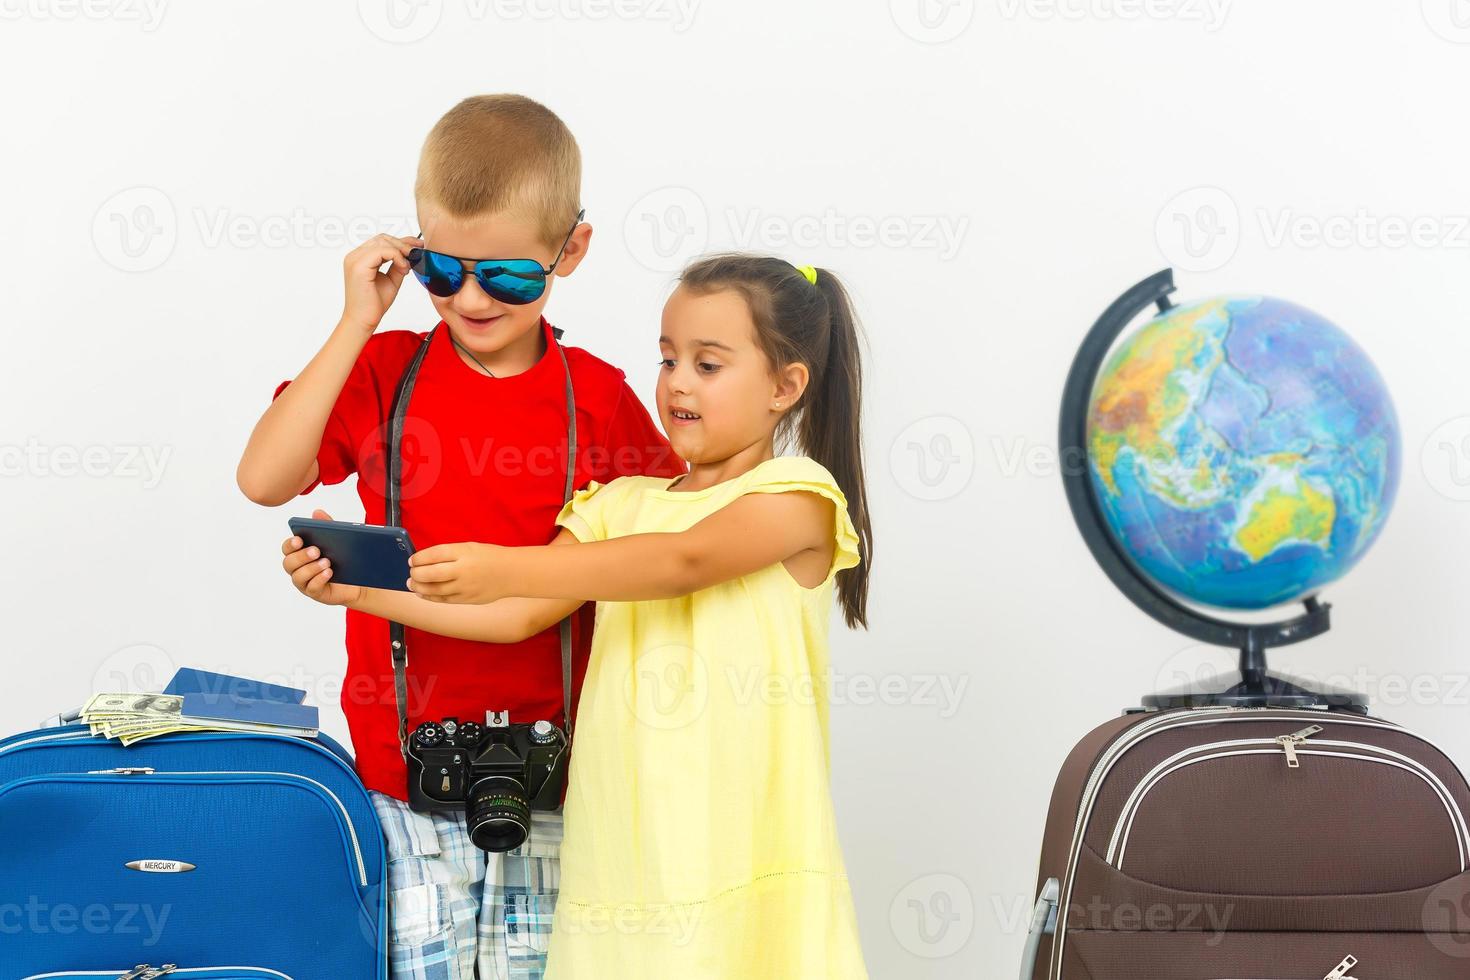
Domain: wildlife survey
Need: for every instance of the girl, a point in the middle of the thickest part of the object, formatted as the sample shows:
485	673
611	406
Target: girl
700	840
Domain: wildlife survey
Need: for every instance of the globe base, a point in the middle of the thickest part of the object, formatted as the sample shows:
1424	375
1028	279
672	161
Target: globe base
1255	690
1253	685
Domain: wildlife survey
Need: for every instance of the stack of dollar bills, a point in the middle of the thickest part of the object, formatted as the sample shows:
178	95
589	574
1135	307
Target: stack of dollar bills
135	717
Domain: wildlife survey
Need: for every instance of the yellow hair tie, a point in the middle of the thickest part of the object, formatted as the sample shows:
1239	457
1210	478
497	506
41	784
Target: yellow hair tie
810	272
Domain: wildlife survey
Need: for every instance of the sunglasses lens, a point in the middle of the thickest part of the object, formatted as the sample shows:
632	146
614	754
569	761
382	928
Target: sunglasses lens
440	274
515	282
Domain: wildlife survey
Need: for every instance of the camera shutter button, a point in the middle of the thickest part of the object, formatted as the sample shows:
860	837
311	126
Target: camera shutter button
543	732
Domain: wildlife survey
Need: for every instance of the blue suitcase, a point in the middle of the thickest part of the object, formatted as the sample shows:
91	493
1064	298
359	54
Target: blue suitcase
192	856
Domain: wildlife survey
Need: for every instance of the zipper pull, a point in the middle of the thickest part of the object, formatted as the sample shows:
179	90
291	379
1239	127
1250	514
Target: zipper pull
159	971
1289	744
124	771
1340	972
135	972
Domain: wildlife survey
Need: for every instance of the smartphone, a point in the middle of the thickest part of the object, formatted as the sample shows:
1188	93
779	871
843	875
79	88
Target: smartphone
368	555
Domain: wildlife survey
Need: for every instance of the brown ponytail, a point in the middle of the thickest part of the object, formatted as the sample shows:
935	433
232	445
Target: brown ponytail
798	321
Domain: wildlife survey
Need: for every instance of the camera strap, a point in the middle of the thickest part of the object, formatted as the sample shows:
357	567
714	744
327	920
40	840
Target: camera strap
394	492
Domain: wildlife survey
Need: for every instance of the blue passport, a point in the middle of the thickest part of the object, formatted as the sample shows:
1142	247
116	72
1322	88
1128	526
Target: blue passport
282	714
191	680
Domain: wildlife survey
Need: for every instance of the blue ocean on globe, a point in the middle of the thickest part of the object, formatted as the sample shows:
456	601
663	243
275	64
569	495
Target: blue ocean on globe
1244	450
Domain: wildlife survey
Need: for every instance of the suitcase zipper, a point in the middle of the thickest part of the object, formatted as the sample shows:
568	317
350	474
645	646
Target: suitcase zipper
123	771
62	736
1340	971
78	734
147	771
1290	742
1118	844
144	971
53	737
1143	730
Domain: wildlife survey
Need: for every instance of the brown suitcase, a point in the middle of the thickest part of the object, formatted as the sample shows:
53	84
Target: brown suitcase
1254	844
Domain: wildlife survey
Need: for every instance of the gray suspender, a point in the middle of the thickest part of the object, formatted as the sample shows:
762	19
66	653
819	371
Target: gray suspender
394	491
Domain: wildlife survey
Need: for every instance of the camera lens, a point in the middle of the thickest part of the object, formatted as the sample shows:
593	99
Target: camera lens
499	813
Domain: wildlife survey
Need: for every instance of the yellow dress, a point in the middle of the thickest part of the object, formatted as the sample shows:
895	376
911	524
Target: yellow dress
700	841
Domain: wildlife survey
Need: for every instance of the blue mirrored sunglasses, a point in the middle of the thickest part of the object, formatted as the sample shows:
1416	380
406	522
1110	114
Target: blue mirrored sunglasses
514	282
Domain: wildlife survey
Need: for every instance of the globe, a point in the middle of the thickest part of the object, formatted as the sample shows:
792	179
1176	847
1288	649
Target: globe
1244	451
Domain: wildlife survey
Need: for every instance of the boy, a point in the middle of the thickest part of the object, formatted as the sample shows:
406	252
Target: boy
484	449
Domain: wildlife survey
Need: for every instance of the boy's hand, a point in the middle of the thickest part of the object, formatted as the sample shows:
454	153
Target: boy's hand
312	574
370	292
465	572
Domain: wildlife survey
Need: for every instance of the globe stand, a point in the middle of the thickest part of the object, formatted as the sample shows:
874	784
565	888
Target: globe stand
1254	686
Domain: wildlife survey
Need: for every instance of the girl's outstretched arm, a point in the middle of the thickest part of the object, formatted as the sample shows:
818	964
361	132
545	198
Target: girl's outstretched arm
507	620
753	532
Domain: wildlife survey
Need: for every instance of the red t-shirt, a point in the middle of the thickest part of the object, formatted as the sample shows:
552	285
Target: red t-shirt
484	459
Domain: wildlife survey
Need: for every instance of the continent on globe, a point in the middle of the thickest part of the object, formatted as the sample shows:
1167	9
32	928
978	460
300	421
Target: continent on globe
1244	450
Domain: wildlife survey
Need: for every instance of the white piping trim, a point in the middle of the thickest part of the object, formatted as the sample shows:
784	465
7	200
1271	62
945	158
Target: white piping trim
1125	827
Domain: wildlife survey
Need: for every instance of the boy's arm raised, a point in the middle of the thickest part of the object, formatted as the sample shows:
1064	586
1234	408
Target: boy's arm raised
280	459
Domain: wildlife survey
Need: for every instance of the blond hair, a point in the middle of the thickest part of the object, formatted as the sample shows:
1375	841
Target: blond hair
503	153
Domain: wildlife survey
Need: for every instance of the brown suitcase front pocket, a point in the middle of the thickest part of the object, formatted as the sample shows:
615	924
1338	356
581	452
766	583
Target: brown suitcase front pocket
1265	956
1327	817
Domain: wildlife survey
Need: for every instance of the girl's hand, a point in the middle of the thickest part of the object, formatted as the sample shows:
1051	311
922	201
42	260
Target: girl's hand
312	574
466	572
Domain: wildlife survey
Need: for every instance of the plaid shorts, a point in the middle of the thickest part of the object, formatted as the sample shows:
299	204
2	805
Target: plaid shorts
454	909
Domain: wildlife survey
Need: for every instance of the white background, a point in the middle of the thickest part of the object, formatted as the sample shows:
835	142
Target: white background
177	178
